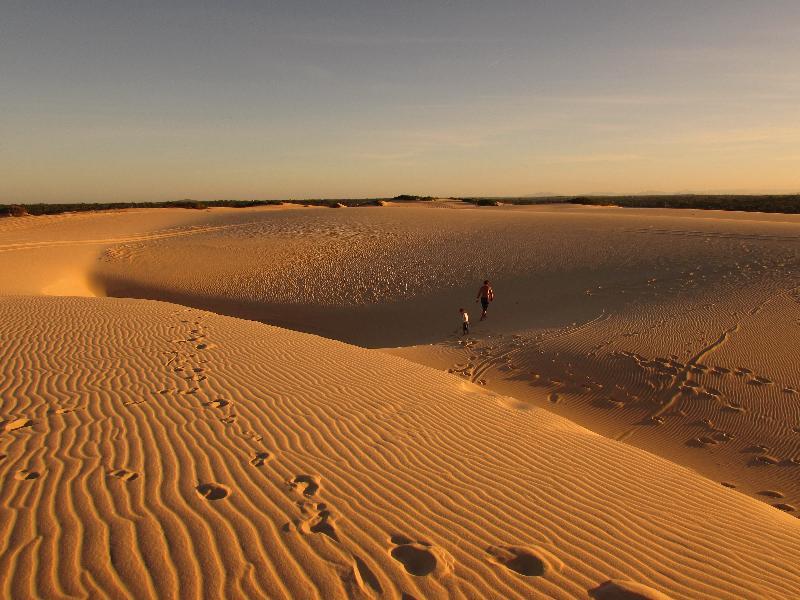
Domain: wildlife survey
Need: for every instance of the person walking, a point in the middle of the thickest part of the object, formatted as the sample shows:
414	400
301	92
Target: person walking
485	295
464	321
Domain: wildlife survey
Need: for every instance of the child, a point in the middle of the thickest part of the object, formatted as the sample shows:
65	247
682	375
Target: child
465	321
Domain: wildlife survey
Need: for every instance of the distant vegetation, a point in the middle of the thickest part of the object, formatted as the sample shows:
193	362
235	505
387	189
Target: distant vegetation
20	210
523	201
409	198
789	204
772	204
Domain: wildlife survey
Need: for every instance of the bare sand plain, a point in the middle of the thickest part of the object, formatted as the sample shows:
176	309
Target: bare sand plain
167	449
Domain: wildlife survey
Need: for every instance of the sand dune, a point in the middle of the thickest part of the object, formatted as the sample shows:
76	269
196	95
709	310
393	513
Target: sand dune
55	255
673	330
150	449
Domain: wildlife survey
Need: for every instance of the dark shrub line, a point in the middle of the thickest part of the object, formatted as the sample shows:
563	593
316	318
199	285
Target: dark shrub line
788	203
19	210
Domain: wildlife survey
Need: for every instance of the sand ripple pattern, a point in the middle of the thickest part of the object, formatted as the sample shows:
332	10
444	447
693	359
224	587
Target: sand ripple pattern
329	471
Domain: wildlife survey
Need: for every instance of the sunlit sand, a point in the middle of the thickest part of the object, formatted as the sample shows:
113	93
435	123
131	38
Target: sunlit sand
626	421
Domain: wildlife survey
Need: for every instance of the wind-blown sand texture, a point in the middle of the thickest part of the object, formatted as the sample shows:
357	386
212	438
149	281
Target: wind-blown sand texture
148	449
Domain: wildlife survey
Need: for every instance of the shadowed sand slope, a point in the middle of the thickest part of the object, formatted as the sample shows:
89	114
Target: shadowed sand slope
396	276
153	450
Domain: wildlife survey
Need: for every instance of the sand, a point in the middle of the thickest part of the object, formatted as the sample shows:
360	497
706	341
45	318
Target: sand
156	449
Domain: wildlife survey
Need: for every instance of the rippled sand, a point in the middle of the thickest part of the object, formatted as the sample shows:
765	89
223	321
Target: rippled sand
152	449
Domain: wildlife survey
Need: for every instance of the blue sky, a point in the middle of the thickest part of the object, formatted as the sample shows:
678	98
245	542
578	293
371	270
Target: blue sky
113	101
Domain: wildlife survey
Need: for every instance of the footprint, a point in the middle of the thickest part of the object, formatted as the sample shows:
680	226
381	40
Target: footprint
707	395
756	448
701	442
530	562
771	494
219	403
25	474
320	520
308	485
618	589
365	578
212	491
124	475
722	436
758	380
259	459
416	557
727	484
785	507
554	398
323	523
15	424
607	403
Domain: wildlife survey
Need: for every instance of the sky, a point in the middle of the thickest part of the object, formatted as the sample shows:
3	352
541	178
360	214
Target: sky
107	100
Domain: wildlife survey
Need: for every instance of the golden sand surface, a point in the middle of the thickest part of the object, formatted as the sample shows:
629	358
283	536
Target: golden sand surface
572	446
